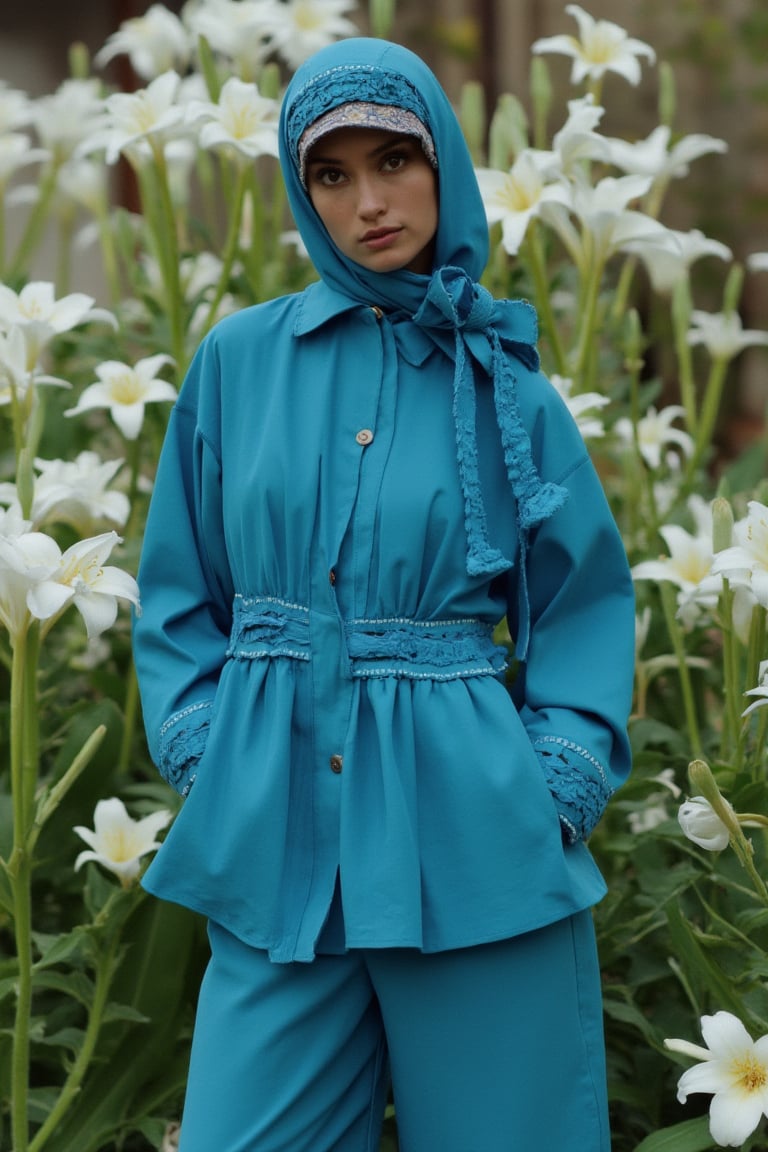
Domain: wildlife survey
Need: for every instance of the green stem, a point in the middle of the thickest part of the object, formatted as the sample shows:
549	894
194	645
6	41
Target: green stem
104	972
230	247
23	779
133	453
538	266
109	258
130	712
731	725
63	252
2	230
169	248
18	872
675	635
35	223
709	413
623	288
52	797
681	319
587	334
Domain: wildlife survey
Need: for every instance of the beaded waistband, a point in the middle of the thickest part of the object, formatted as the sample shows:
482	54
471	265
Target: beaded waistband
266	627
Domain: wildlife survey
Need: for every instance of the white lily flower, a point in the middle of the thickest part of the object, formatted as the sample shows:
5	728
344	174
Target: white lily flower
722	334
238	29
688	566
650	816
15	153
746	563
602	47
702	825
303	27
26	558
666	267
15	108
198	273
603	213
154	43
81	578
65	118
20	350
36	304
758	262
117	842
125	390
243	121
655	158
292	239
75	492
200	320
760	693
516	197
655	432
577	140
581	407
84	182
734	1068
132	118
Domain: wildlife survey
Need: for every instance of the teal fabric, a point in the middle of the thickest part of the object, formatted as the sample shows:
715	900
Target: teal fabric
308	595
491	1049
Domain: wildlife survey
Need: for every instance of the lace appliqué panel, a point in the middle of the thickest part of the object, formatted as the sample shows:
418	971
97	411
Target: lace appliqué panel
182	742
578	783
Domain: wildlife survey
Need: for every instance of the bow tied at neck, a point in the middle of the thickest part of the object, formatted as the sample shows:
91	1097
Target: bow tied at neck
461	316
455	300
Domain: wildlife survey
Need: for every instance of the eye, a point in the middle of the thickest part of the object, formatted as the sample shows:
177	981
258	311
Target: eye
394	161
328	176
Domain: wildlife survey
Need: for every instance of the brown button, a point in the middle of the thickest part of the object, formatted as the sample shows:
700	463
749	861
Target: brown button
336	764
364	436
332	577
376	311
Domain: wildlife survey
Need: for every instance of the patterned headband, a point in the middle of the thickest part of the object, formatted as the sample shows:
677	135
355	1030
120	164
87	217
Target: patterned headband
360	114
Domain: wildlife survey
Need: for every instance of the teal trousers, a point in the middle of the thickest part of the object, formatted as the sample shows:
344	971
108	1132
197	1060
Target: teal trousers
495	1048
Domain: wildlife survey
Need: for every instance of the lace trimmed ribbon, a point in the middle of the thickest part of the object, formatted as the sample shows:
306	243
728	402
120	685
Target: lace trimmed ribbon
487	329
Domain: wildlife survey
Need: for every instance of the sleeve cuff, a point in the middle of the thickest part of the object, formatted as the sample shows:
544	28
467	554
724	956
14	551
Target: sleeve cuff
182	742
578	783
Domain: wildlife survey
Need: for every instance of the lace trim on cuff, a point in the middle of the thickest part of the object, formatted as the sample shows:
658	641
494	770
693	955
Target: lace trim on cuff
182	742
578	782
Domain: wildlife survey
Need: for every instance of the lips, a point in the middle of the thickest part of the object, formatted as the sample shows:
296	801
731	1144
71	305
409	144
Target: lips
377	239
379	234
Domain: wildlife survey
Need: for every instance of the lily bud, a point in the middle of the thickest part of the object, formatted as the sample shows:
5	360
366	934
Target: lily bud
722	524
701	824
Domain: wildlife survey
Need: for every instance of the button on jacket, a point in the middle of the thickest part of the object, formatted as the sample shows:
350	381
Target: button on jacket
348	501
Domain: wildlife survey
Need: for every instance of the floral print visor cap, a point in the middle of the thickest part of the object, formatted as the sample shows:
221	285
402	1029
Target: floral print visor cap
360	114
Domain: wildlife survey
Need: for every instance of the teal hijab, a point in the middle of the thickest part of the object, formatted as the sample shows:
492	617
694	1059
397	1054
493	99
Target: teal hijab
449	308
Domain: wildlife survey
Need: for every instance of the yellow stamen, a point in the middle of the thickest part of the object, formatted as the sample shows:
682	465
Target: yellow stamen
749	1073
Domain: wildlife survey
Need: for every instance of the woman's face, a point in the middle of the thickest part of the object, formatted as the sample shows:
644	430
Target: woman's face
376	193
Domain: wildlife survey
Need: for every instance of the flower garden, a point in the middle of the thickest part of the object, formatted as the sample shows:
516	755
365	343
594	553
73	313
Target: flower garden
97	980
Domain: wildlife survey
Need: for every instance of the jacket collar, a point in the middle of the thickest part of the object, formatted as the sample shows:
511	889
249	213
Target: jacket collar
319	304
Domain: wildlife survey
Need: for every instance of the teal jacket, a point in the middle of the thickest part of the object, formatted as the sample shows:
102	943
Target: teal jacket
357	484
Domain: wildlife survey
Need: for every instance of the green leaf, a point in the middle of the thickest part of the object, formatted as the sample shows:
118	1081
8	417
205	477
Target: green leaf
138	1063
690	1136
72	945
698	966
124	1012
74	984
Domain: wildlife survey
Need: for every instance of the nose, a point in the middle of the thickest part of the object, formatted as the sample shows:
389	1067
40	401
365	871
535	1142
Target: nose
370	198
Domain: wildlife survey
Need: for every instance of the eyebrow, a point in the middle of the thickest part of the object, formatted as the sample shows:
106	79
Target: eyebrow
391	142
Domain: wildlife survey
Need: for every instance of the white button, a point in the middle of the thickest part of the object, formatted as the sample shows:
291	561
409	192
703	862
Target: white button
364	436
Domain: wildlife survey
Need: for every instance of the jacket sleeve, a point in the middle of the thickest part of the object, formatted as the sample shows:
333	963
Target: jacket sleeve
180	636
574	689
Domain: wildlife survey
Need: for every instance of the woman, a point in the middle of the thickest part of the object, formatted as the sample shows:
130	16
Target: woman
386	836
